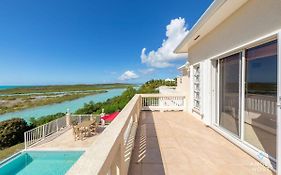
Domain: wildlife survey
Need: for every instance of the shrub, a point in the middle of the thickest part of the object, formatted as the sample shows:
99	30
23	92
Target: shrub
45	119
110	105
11	132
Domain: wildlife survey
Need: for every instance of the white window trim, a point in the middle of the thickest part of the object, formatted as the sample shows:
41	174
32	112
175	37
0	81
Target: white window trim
278	137
194	108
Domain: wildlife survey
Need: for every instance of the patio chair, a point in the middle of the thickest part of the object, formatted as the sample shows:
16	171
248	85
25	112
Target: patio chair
93	128
98	120
76	132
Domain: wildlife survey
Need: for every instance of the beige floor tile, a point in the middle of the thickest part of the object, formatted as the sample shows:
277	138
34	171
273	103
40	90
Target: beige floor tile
153	169
178	143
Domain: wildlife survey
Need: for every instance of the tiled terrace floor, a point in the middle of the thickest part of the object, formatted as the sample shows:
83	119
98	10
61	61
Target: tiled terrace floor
65	141
176	143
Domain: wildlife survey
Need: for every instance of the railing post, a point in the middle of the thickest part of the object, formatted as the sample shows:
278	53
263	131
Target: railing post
68	118
161	105
120	161
113	169
25	140
43	132
185	104
57	124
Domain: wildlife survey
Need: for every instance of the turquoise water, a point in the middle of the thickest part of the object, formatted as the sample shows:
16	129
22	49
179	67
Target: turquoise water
61	107
40	163
8	87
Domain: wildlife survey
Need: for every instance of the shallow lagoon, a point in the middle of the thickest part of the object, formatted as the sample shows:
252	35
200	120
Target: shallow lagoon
61	107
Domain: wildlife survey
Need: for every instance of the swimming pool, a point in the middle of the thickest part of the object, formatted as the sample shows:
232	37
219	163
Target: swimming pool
40	163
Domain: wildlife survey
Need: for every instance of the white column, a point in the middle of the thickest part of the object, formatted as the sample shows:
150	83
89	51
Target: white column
68	118
278	137
120	162
191	95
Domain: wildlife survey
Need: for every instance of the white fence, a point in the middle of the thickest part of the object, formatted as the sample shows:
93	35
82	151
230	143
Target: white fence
39	133
262	104
162	102
74	118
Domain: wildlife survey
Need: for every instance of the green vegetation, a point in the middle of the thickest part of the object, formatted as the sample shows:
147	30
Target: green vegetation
63	88
5	153
262	88
11	132
152	85
45	119
119	102
109	106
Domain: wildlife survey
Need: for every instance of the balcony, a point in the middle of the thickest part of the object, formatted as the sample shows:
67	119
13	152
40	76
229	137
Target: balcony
153	135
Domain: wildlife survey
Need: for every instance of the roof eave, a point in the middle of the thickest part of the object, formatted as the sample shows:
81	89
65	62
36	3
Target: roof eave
193	36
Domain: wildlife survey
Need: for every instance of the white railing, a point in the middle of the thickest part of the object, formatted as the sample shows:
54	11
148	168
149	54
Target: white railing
77	118
264	104
112	150
261	104
162	102
38	134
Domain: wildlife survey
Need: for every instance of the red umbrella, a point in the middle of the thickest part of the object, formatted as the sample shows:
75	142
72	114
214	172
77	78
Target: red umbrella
110	117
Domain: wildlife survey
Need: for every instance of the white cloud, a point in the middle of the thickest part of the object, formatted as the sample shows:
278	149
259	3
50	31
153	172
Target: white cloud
164	56
128	75
147	71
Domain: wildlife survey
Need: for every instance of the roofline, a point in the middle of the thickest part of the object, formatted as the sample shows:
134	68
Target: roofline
215	14
183	66
206	15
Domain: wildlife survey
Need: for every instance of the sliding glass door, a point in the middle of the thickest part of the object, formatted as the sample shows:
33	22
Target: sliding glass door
229	81
248	96
261	97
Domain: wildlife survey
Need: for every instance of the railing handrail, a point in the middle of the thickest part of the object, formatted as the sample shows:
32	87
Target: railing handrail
162	95
40	131
107	144
82	115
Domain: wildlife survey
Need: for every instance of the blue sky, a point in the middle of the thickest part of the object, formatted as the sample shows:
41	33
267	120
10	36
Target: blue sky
92	41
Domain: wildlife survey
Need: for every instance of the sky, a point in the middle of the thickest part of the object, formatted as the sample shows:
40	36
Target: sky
93	41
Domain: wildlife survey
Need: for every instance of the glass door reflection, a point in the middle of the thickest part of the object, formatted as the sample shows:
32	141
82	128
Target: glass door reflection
229	116
261	97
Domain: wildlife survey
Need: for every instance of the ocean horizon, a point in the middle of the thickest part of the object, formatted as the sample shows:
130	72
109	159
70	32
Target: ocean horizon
8	87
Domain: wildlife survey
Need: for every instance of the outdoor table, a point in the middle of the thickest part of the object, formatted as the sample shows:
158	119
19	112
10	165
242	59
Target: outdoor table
85	124
84	128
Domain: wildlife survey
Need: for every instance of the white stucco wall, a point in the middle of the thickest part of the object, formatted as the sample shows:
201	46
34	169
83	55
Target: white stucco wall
253	20
183	85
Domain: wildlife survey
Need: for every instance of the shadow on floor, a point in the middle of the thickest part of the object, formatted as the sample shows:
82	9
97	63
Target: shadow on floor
146	158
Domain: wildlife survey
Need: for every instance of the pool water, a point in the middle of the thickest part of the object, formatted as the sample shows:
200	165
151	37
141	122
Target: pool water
40	163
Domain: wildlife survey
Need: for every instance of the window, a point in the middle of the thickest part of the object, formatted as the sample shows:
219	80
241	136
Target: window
196	88
229	117
247	89
261	97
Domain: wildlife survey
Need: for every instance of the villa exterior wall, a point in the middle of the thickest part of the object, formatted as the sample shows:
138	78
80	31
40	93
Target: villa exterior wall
249	26
183	85
253	20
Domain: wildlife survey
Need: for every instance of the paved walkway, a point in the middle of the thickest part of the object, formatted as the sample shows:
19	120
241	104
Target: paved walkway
65	141
176	143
